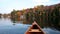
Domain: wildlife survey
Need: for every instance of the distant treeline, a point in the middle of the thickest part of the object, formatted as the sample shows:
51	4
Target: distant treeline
41	14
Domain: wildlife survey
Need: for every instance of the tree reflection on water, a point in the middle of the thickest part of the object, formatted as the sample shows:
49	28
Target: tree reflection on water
54	26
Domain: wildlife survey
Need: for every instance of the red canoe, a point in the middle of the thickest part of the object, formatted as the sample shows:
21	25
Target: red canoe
34	29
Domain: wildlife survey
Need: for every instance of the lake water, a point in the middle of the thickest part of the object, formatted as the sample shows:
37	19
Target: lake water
8	27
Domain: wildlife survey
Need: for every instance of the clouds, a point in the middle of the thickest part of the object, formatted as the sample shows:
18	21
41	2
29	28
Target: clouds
7	6
41	1
46	2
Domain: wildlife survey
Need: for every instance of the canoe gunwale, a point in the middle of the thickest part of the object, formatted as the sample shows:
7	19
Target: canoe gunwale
32	26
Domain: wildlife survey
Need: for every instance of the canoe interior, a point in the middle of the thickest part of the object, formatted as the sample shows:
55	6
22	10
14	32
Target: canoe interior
34	33
34	27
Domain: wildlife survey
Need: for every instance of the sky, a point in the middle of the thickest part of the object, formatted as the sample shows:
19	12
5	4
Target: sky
6	6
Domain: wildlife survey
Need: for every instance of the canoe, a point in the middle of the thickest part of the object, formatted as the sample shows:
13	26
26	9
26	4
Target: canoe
34	29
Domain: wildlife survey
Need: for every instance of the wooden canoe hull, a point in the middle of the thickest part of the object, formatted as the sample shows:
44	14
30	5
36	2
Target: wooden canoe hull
34	26
34	33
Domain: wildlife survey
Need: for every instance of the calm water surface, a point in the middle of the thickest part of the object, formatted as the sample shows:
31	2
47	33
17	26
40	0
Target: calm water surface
8	27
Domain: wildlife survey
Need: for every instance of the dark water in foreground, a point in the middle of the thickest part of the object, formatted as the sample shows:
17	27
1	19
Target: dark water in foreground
8	27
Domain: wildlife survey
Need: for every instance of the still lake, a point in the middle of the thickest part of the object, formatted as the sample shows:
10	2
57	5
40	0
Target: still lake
8	27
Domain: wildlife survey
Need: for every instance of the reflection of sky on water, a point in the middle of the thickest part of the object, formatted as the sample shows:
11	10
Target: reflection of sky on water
4	22
13	30
16	29
7	27
50	31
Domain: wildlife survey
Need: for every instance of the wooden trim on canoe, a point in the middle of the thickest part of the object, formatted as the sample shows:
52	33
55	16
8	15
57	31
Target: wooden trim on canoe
31	30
